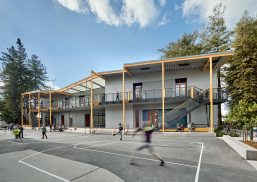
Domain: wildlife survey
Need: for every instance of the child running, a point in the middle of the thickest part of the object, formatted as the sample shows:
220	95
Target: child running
119	132
148	130
17	133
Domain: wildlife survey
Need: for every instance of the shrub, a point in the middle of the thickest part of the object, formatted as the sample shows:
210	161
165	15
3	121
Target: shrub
219	132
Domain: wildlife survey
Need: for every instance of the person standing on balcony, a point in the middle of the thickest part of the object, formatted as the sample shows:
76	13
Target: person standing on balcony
44	132
117	96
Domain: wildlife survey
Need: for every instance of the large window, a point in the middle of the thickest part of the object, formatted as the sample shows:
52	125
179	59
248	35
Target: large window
99	120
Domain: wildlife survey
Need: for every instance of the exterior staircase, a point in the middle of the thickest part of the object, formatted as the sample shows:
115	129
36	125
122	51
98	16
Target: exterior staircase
200	99
33	120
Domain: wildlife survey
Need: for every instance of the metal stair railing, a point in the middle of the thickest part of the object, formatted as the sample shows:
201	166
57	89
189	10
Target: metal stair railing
185	108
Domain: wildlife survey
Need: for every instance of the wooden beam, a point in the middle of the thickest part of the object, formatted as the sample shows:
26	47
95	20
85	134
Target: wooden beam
22	104
220	63
211	97
206	65
129	73
163	96
50	107
91	104
75	89
186	58
111	72
76	83
85	86
60	92
123	99
30	111
98	75
38	109
98	84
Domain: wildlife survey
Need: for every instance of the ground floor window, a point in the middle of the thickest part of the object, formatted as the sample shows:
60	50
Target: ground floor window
99	120
152	117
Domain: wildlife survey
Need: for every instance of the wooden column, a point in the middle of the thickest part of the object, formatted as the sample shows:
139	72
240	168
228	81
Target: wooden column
192	92
211	97
22	109
163	96
38	108
91	104
123	99
30	122
50	107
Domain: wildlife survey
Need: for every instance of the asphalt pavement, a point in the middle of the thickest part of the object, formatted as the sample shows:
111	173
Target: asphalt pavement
79	157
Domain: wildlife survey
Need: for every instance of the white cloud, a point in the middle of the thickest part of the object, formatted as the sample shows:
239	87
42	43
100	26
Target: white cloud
141	12
52	85
164	20
73	5
162	2
201	9
104	11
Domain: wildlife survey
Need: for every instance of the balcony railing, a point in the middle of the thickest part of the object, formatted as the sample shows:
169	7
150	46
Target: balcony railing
154	95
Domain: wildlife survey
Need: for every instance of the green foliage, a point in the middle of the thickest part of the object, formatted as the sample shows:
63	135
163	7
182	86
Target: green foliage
18	76
37	73
219	132
216	37
187	45
241	75
233	134
243	113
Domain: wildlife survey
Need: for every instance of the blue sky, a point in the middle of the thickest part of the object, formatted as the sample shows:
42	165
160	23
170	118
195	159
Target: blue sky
72	37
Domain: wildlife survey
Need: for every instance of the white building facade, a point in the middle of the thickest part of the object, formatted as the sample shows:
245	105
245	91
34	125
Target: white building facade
164	92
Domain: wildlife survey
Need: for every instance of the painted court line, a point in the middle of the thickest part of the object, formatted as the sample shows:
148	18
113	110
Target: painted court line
130	156
48	173
101	144
199	165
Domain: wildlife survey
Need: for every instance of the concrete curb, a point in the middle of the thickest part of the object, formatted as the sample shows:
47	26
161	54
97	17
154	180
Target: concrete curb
245	151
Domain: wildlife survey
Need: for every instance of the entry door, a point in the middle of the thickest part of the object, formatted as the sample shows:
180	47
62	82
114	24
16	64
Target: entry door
181	86
137	90
87	120
62	119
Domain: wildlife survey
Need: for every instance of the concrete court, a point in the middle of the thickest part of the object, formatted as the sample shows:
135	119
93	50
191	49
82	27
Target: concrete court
79	157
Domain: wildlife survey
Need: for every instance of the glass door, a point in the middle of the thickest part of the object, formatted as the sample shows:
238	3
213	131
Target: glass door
181	86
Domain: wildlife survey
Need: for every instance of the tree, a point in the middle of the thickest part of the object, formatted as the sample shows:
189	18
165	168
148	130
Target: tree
185	46
241	75
216	38
244	113
16	76
37	73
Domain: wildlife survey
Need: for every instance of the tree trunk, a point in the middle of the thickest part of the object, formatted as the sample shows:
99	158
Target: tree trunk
251	134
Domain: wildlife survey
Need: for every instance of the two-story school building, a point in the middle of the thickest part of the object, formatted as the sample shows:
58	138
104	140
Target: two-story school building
166	92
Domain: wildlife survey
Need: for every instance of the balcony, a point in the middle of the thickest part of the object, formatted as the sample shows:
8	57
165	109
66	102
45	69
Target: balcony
172	95
155	95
